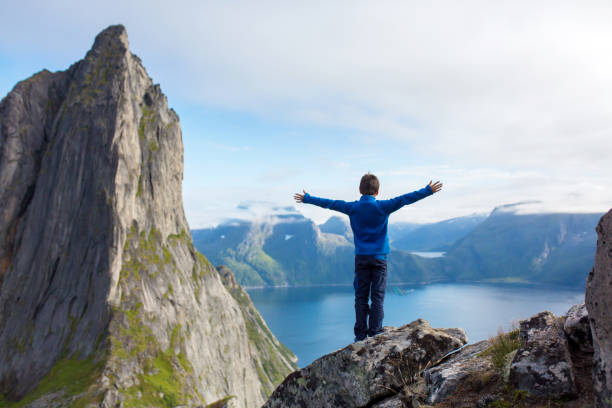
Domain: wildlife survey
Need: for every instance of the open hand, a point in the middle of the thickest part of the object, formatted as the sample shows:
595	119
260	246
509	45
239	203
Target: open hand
299	197
435	187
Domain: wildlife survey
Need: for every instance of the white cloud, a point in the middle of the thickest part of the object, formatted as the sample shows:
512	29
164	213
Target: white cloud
509	101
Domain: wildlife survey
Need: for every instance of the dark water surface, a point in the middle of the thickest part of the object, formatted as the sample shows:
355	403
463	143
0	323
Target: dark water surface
313	321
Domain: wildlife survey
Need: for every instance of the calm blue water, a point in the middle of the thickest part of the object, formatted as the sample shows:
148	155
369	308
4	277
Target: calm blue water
314	321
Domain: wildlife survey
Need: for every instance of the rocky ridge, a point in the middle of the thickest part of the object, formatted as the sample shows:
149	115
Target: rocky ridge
548	361
536	365
104	301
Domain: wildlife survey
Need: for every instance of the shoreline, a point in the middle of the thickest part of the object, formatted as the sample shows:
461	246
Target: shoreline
419	284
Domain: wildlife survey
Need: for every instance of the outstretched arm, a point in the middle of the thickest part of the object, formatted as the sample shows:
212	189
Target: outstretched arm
396	203
336	205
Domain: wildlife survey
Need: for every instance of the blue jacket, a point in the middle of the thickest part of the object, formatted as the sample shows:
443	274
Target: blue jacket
369	217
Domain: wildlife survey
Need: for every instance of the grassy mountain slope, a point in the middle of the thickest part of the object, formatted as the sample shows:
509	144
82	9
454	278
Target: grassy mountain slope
506	246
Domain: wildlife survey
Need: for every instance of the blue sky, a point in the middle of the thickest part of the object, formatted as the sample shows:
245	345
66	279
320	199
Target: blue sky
502	101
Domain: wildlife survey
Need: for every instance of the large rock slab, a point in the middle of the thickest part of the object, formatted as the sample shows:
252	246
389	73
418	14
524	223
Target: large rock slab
599	306
443	379
369	371
542	365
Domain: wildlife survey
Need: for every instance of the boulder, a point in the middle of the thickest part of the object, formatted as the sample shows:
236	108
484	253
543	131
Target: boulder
443	379
599	306
578	329
370	371
542	366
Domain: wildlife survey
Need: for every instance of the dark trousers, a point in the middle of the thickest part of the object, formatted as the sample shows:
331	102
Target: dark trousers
370	282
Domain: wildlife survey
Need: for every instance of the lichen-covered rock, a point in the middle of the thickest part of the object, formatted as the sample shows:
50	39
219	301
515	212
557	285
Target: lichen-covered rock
368	371
542	365
599	305
578	329
103	298
443	379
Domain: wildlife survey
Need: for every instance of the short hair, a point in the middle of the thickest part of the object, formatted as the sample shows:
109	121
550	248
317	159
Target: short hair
369	184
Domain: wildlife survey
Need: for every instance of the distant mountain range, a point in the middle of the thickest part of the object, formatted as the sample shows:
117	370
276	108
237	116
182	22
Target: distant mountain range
550	248
505	246
439	236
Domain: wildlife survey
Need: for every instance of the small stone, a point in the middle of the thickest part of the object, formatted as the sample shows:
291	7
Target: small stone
485	401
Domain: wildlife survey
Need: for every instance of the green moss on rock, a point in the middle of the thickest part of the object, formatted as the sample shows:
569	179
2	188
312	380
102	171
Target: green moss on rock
144	253
162	386
69	376
165	380
146	120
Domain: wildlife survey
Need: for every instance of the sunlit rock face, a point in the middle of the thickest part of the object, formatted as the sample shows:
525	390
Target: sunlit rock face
99	280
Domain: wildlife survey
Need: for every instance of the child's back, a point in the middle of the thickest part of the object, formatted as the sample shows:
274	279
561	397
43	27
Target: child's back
369	220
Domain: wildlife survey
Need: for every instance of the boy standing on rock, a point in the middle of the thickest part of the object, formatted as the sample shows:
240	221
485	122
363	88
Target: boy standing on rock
369	218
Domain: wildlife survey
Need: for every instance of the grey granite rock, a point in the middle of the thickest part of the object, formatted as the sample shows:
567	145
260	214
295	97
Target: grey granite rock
578	329
98	274
542	365
368	371
443	379
599	306
391	402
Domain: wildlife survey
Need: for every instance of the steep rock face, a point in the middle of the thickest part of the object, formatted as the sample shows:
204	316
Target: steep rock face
599	306
368	372
103	298
272	359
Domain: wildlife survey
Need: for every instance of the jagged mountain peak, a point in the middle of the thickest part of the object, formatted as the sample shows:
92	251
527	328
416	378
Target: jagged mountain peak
110	38
96	254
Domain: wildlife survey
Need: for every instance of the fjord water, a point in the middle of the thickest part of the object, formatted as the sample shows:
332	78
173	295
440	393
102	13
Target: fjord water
313	321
